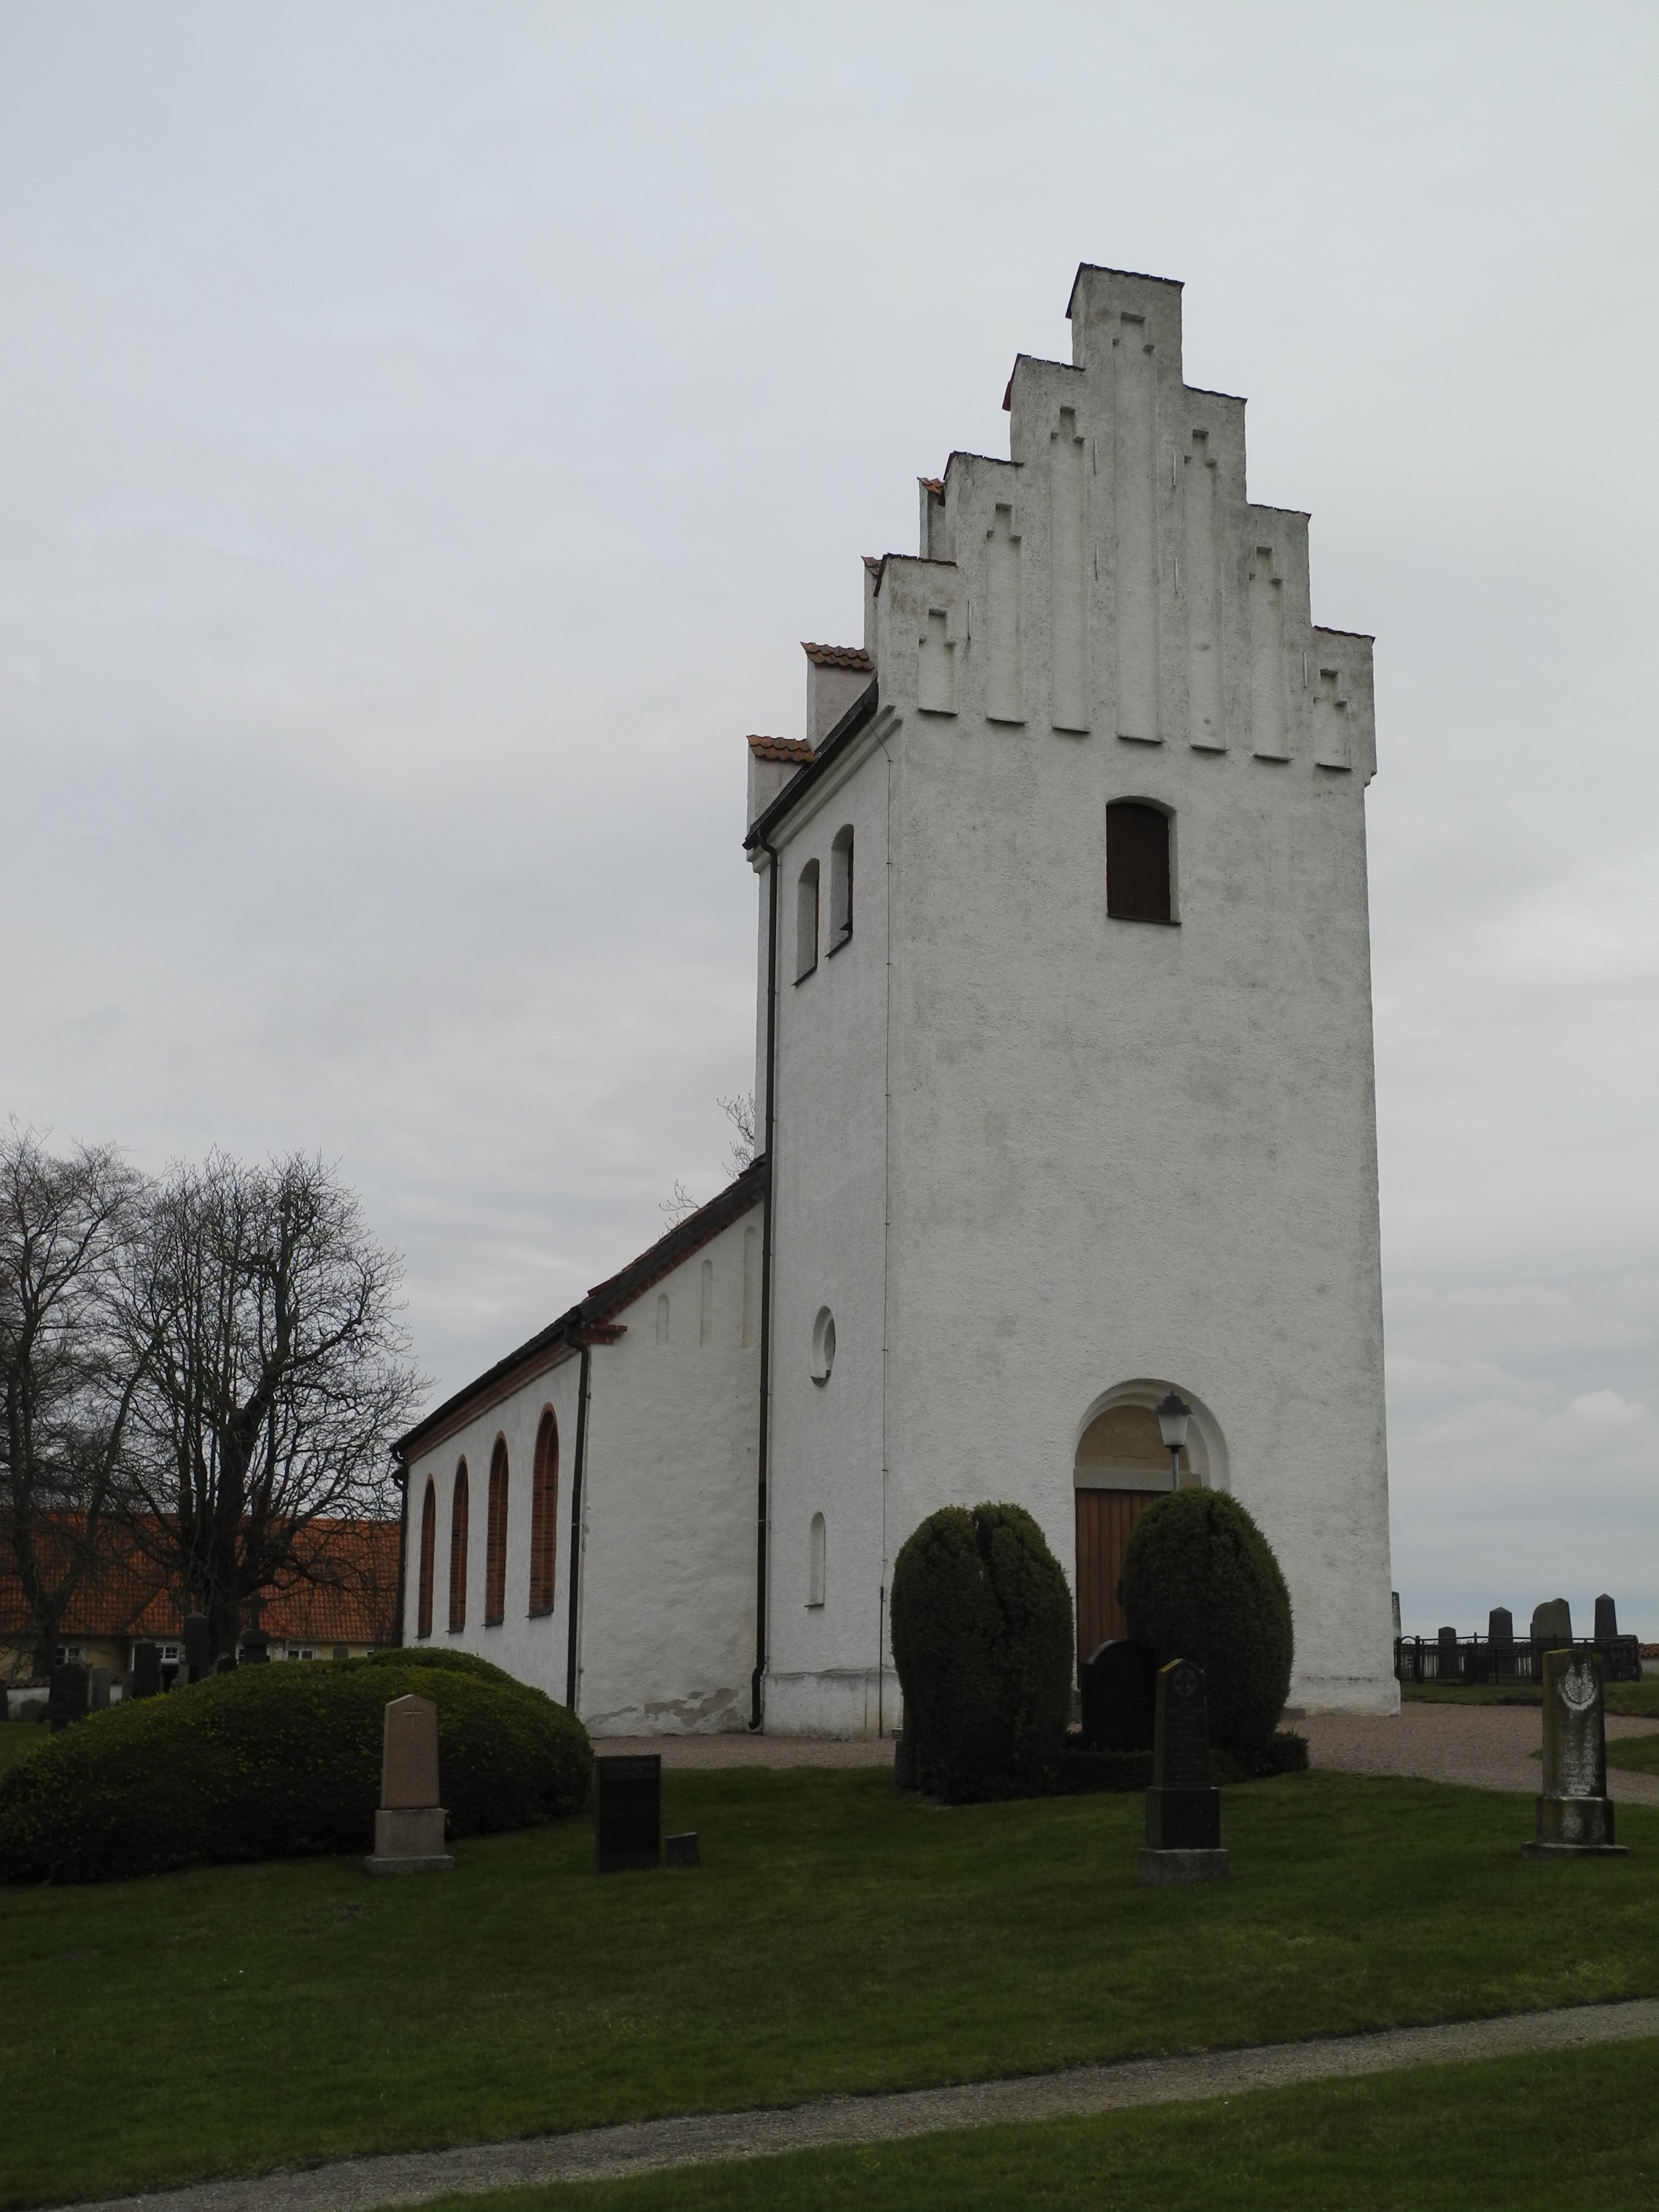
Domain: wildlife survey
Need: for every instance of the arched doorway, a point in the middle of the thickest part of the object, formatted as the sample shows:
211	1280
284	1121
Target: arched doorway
1120	1466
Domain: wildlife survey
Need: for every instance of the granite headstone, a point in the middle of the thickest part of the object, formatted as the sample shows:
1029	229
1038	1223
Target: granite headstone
1449	1662
409	1826
146	1668
256	1648
97	1681
1551	1624
66	1700
198	1660
1120	1696
627	1811
1575	1813
1607	1619
1183	1806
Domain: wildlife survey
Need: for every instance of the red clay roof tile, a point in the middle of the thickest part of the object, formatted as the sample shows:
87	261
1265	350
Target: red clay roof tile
780	748
839	656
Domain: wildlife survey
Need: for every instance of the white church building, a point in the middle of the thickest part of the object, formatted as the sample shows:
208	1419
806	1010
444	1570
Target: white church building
1065	1099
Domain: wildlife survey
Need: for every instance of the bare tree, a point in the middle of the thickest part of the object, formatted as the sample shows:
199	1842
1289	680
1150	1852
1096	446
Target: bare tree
69	1236
280	1377
740	1113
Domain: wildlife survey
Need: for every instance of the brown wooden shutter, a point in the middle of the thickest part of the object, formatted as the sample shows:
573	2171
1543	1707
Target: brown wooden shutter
496	1539
459	1514
429	1558
544	1515
1137	862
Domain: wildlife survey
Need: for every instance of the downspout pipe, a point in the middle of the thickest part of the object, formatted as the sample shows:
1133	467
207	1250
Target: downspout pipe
762	1453
576	1525
400	1476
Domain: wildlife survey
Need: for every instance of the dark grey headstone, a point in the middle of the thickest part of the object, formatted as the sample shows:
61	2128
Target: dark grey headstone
1500	1628
1449	1668
1607	1619
66	1701
146	1668
1575	1813
1180	1740
98	1680
627	1812
1120	1696
1183	1810
225	1663
199	1659
683	1850
1551	1624
256	1648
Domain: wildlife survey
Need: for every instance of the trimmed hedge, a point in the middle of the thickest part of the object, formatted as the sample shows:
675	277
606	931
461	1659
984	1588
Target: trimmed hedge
1199	1582
982	1639
278	1761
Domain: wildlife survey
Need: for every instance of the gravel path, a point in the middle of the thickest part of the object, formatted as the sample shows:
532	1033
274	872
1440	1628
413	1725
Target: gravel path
741	1749
595	2153
1484	1747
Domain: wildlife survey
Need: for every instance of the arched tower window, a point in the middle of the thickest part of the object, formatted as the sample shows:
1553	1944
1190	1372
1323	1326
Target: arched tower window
496	1539
818	1548
428	1559
458	1520
1137	861
544	1515
806	923
840	889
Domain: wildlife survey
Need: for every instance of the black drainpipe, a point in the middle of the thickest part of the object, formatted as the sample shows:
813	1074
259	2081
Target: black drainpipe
576	1525
400	1476
755	1714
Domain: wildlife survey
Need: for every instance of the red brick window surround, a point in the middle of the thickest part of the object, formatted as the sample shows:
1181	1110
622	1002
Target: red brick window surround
458	1514
544	1515
429	1558
496	1539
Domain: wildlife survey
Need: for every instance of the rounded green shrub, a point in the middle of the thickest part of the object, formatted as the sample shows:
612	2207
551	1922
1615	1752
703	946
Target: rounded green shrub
982	1624
276	1761
1199	1582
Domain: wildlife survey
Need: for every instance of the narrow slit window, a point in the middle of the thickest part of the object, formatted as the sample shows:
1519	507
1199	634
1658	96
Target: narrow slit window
806	923
840	889
458	1511
495	1540
818	1548
1137	861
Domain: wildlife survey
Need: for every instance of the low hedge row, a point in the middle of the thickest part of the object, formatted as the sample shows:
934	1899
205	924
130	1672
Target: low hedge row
278	1761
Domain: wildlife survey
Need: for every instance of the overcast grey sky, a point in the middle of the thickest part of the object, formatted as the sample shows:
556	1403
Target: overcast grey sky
426	433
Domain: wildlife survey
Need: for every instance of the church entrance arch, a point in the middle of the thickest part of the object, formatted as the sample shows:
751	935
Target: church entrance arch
1119	1465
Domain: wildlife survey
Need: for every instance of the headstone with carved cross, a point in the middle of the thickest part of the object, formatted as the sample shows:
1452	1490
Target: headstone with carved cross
1183	1806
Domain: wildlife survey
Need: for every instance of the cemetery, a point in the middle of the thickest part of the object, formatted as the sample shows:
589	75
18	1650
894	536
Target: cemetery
1017	1892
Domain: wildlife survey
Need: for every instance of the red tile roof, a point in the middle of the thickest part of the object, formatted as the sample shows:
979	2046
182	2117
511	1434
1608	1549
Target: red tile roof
934	484
839	656
347	1592
872	562
780	748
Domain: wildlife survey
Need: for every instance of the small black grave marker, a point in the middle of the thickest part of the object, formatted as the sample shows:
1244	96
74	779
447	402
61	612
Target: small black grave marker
683	1850
66	1700
1120	1696
146	1668
198	1660
627	1812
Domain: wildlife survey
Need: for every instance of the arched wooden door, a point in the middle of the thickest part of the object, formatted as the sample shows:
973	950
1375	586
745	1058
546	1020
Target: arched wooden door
1105	1518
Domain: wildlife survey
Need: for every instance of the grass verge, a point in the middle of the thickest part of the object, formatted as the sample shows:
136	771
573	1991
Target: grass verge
1636	1700
839	1936
1574	2131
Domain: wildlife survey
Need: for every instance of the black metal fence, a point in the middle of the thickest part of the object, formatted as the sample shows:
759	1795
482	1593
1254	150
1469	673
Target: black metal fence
1478	1659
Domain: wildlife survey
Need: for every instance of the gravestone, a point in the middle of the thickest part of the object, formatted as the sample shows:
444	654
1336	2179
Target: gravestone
256	1648
225	1663
66	1700
1575	1813
627	1812
98	1680
1607	1619
1448	1667
409	1827
1551	1624
198	1660
146	1668
1394	1600
1183	1806
683	1851
1500	1642
1120	1696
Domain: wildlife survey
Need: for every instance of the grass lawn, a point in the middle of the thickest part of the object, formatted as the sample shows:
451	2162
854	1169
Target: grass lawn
840	1935
1638	1700
1640	1753
1576	2131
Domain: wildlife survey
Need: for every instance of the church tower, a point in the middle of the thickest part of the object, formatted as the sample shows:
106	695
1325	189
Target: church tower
1064	1034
